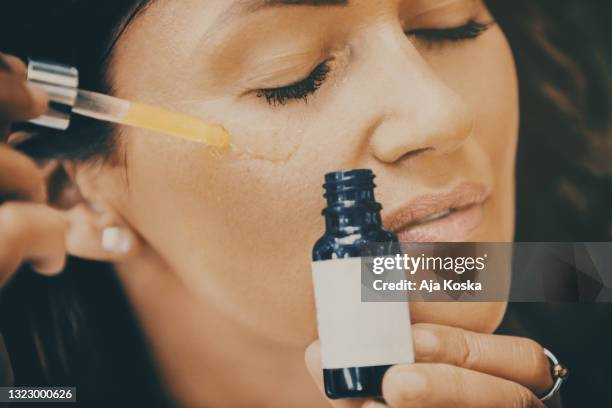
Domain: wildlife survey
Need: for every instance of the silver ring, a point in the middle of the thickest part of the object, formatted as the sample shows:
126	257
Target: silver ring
559	373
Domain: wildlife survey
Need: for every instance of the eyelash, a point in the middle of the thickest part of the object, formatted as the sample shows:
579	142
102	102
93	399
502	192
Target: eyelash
308	86
469	31
299	90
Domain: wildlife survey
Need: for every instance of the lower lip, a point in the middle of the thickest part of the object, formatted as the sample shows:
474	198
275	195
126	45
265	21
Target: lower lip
455	227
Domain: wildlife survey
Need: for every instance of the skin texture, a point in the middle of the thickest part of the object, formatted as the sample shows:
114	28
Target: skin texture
437	97
219	269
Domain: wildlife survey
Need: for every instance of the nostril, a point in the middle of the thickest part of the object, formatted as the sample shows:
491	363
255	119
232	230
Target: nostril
414	153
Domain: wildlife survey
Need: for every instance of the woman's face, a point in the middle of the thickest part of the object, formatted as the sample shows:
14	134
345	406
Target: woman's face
423	92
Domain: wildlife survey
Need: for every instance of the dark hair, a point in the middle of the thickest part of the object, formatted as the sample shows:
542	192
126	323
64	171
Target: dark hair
80	33
564	171
74	329
563	176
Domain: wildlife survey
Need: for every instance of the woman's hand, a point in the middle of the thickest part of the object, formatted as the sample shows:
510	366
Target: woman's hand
459	368
19	101
30	231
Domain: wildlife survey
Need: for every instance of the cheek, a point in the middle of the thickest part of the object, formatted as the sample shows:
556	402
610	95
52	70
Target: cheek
238	233
495	98
486	79
483	73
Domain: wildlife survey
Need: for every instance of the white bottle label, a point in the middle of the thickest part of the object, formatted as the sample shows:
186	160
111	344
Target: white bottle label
355	333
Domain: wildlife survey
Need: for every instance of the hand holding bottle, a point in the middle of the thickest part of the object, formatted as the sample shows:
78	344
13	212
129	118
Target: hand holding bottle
458	368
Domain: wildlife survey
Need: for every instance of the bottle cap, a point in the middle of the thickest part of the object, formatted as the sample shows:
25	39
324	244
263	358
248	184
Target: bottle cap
350	189
61	83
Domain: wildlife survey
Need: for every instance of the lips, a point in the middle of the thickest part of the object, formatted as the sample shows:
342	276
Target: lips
447	217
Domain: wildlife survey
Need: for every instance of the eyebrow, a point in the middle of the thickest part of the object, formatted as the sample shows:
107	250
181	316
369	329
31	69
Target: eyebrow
254	5
240	7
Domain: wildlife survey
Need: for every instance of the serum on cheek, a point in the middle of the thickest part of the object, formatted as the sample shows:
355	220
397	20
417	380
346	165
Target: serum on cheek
359	340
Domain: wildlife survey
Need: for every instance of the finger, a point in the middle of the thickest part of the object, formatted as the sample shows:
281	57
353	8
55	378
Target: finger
516	359
20	178
19	100
13	64
313	363
31	233
443	385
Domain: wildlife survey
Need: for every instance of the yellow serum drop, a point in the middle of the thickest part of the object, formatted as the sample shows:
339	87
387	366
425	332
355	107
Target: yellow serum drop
176	124
116	110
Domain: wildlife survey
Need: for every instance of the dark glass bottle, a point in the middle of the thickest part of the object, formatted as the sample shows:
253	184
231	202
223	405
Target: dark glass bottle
353	228
351	210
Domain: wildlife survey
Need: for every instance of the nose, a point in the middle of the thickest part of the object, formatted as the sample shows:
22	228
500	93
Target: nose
418	111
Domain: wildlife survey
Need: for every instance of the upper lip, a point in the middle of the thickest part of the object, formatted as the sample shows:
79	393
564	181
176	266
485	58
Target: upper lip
464	195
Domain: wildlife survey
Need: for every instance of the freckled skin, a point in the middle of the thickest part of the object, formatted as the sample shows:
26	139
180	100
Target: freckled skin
228	236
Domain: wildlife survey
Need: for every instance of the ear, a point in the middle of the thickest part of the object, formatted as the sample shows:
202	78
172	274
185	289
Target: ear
99	235
95	230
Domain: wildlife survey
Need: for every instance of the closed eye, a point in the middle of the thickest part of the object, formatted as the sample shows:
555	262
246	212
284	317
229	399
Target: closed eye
471	30
306	87
298	90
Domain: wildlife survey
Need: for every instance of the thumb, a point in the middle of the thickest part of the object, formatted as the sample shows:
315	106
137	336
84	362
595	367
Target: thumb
312	358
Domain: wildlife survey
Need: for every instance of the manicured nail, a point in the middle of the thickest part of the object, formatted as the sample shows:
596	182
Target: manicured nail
116	240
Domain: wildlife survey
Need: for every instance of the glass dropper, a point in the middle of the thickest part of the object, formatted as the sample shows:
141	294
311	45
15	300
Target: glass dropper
65	98
112	109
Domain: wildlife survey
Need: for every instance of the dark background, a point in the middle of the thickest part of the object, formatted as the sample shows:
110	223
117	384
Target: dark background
580	335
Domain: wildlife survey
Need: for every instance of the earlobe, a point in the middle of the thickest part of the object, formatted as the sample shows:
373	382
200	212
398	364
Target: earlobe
92	235
95	230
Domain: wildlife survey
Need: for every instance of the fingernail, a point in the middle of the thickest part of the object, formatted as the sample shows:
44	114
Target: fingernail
426	343
39	95
116	240
409	384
